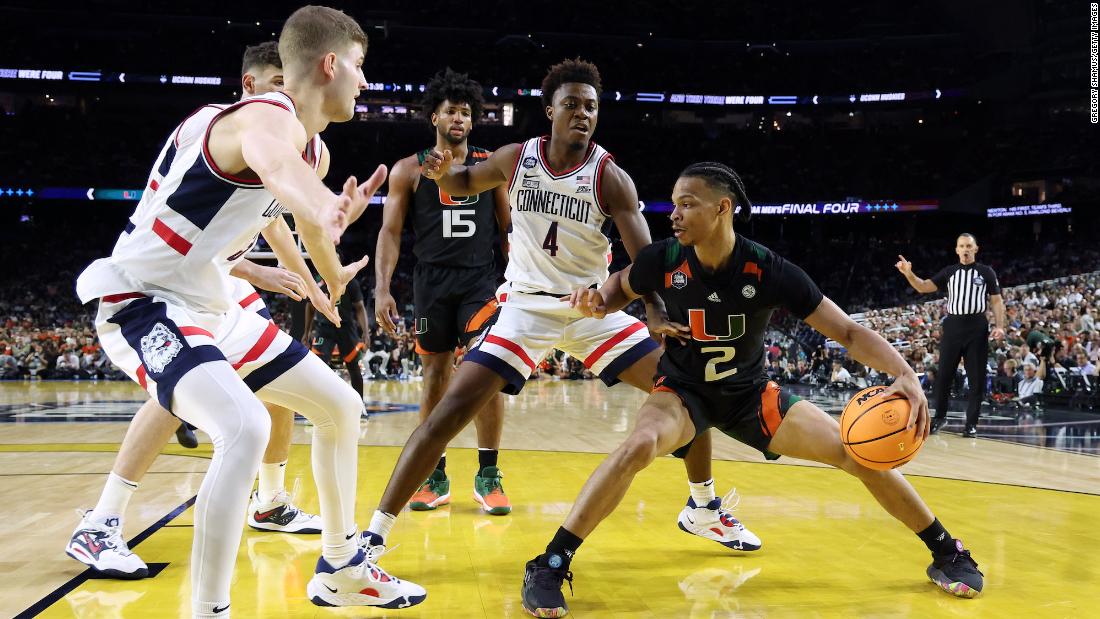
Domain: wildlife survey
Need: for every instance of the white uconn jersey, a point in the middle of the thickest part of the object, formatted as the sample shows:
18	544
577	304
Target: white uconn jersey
556	243
194	222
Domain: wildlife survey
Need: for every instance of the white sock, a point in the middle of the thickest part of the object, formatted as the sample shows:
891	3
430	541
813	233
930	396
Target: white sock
702	492
381	523
272	481
115	497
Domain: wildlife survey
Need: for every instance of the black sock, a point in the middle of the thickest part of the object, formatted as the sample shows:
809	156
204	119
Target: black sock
565	545
938	540
442	466
486	457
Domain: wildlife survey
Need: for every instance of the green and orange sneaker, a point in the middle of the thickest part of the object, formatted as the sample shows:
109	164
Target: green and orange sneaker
489	493
436	491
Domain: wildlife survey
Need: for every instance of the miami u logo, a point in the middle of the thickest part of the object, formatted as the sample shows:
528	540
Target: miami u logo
697	319
448	200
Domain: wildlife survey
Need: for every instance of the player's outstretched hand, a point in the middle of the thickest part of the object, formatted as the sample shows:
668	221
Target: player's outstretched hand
280	280
904	265
437	163
358	196
385	312
588	301
909	387
321	302
336	289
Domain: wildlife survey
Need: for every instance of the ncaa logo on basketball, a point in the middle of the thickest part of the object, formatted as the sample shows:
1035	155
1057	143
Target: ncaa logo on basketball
159	347
870	394
749	291
529	162
679	280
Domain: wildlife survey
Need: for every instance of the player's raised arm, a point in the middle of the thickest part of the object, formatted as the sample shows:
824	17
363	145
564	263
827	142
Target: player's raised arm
460	180
871	349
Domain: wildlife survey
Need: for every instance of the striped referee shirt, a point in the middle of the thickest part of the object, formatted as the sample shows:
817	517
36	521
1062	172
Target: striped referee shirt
967	286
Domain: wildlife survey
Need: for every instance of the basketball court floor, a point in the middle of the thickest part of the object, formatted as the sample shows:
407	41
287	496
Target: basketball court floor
1024	496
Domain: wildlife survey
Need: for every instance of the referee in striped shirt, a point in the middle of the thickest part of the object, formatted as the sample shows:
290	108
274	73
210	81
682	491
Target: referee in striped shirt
965	329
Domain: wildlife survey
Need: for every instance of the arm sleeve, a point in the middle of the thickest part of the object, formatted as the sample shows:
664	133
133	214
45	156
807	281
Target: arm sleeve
940	279
991	284
794	290
647	273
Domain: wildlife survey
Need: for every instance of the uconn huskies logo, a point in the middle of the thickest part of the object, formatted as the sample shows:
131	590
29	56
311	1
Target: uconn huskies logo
697	320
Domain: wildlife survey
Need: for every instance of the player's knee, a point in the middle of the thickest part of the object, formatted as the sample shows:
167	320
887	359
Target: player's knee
638	451
255	428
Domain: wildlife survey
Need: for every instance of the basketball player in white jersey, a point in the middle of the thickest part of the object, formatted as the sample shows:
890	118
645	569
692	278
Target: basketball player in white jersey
562	189
168	317
97	541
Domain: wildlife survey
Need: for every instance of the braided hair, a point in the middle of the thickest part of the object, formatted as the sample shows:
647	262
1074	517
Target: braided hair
722	177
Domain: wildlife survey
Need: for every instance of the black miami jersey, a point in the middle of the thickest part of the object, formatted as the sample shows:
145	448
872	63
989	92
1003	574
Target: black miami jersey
728	310
453	231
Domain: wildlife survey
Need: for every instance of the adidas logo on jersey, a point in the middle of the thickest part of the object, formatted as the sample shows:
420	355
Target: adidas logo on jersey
714	297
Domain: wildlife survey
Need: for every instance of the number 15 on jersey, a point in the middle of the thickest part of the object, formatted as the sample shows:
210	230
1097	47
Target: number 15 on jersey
458	224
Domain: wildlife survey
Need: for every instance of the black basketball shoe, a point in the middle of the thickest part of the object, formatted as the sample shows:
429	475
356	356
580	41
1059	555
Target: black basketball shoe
956	573
937	423
970	431
542	595
186	436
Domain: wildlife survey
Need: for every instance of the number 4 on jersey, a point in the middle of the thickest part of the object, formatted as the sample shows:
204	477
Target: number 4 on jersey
551	242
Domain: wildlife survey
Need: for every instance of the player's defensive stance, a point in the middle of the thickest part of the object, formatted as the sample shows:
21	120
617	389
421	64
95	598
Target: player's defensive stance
167	315
724	287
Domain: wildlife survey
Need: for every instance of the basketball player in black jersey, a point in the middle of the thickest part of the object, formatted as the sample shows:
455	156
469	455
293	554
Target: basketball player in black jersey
721	288
347	338
454	282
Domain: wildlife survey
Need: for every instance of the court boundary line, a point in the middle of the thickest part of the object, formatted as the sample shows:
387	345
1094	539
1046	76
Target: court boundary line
59	593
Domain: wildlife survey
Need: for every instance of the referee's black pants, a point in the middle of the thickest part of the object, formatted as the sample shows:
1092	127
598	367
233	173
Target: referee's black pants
964	337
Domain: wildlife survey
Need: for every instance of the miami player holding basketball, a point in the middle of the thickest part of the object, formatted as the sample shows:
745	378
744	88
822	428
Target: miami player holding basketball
724	287
454	283
167	315
97	541
562	190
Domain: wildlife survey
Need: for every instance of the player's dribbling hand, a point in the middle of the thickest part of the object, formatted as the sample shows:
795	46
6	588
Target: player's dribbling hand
437	163
588	301
357	197
909	387
280	280
904	265
385	312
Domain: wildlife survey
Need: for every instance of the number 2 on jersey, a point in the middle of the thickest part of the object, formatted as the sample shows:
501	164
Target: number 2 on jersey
725	354
550	244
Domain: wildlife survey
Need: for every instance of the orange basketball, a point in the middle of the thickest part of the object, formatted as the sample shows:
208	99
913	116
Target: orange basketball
873	430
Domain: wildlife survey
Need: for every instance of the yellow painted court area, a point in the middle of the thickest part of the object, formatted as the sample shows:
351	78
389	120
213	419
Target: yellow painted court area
829	550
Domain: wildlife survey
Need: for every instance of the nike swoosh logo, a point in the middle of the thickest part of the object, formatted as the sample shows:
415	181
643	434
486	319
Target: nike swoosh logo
267	514
689	518
349	536
217	610
525	175
330	589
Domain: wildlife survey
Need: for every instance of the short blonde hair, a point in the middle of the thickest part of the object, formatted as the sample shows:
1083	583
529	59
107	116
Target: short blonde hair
313	31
